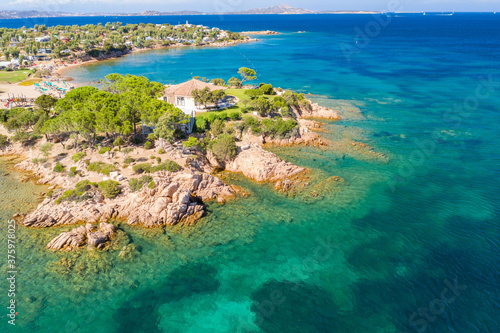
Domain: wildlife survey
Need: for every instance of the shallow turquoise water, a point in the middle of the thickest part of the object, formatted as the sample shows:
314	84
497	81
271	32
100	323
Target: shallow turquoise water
405	246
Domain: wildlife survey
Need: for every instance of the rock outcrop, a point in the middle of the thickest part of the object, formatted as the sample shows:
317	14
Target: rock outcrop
78	237
258	164
177	197
319	112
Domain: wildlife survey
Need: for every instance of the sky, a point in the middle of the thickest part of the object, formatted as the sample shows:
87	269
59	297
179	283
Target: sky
135	6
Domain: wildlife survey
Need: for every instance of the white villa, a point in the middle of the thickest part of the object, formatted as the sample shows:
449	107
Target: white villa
181	96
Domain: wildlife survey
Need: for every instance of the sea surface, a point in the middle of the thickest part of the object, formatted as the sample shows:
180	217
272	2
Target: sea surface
408	242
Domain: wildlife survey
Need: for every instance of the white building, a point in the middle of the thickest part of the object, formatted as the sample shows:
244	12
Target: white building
181	96
43	39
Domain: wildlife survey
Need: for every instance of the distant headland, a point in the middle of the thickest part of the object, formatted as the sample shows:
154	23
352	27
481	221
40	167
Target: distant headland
281	9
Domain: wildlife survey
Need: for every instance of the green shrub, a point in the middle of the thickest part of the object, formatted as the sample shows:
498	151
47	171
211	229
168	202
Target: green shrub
168	165
104	150
191	142
84	186
223	115
142	168
39	160
59	167
286	112
224	148
211	117
25	138
72	172
46	148
101	167
158	160
147	145
151	184
279	128
78	156
152	157
160	151
110	188
279	102
127	151
79	193
217	127
4	140
200	124
119	142
72	195
267	89
129	160
253	123
253	93
136	184
235	115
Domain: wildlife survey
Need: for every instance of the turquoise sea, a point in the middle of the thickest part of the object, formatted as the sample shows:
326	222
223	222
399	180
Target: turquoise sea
408	243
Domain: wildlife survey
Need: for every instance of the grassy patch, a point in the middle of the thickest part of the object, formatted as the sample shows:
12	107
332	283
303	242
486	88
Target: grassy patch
14	76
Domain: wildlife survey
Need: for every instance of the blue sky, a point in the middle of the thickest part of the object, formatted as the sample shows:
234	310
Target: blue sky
235	5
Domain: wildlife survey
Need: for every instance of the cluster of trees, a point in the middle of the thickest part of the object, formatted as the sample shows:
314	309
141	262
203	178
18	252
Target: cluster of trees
85	112
92	39
206	96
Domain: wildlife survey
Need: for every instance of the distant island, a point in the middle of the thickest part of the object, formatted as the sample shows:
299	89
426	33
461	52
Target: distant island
283	9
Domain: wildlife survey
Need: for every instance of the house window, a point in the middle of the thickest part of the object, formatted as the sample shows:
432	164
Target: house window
181	101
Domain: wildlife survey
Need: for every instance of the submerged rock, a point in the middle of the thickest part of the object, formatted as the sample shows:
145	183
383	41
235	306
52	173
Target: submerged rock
77	237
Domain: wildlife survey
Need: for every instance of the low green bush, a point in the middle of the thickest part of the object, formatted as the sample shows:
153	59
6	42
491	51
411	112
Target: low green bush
142	168
224	147
39	160
78	156
4	140
84	186
79	193
147	145
136	184
191	142
235	115
128	160
46	148
168	165
101	167
160	151
72	172
59	167
267	89
104	150
109	188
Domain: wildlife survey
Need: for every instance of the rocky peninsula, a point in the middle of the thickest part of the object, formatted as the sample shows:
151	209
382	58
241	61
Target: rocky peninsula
93	185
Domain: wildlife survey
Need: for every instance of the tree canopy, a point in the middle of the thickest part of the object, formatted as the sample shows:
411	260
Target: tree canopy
247	74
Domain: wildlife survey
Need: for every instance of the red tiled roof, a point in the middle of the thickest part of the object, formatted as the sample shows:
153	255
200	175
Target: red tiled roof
186	88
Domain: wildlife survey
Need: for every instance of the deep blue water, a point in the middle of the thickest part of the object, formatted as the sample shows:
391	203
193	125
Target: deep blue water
410	245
